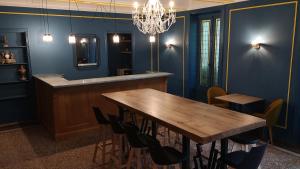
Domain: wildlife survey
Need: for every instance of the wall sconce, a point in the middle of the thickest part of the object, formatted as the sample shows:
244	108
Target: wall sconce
256	43
170	43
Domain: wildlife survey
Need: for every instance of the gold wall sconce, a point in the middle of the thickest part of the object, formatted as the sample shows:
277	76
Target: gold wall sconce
170	43
256	44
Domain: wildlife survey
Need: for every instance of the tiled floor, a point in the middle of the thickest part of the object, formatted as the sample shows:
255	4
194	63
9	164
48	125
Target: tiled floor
32	148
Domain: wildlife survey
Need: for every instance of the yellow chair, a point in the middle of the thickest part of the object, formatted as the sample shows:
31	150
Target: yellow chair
215	92
271	115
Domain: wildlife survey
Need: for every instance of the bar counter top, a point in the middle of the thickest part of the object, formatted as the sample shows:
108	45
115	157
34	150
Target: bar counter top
58	81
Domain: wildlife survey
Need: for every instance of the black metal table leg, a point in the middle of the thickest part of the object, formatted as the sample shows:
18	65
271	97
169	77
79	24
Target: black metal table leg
186	152
121	113
154	129
224	150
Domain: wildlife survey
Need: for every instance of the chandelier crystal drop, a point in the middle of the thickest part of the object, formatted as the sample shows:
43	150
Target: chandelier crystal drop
153	18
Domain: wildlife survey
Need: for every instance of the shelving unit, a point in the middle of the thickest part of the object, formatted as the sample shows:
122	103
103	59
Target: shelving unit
120	55
14	92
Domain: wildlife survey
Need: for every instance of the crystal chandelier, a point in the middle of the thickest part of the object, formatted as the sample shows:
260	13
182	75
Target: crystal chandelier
153	18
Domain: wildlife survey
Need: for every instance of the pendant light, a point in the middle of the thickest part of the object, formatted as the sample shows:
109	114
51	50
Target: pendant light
152	39
72	38
116	37
47	37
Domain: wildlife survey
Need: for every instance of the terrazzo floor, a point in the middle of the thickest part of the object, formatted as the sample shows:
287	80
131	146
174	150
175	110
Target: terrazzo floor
32	148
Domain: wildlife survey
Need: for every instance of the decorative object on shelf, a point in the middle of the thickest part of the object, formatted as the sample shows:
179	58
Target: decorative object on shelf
22	72
152	18
4	41
7	57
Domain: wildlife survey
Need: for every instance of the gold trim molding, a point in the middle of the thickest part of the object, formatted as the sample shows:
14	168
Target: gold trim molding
292	50
63	15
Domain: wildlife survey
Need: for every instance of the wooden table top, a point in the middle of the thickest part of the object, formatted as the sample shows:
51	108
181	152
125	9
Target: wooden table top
200	122
239	99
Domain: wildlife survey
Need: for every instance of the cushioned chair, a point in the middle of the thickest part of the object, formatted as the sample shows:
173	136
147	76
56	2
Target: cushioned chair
215	92
271	115
245	160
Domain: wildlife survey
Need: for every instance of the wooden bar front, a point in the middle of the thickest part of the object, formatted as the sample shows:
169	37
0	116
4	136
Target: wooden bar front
67	111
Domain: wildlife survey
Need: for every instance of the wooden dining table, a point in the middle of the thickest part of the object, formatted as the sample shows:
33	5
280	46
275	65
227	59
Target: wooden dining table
198	121
239	100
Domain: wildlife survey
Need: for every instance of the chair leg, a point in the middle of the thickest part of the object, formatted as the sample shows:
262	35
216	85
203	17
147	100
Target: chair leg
96	150
169	136
139	159
270	134
104	152
154	166
177	166
130	158
98	145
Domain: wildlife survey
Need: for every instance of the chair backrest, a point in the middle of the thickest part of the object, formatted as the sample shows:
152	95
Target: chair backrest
273	111
132	133
215	92
253	158
116	124
99	116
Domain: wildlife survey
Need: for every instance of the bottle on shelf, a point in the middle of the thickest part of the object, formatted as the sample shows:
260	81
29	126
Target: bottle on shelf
22	72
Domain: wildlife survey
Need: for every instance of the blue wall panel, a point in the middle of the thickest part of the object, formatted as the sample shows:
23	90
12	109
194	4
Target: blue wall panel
171	59
263	72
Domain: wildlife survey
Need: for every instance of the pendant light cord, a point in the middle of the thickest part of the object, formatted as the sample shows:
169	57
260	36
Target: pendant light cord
70	17
44	15
115	16
47	14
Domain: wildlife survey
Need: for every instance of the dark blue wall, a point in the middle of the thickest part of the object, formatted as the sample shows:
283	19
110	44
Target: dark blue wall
264	73
57	56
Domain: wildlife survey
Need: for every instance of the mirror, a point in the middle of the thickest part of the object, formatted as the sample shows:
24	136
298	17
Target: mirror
86	51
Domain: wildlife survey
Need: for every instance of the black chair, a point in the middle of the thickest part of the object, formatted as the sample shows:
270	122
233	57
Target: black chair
138	141
245	160
118	140
246	139
165	155
103	141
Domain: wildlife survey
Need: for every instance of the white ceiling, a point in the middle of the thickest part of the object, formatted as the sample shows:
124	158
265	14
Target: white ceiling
122	6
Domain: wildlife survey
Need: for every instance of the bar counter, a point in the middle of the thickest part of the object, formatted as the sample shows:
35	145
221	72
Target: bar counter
64	106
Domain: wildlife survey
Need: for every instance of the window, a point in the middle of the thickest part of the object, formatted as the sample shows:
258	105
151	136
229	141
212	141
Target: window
205	52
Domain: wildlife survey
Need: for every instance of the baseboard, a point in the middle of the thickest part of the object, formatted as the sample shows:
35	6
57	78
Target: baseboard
16	125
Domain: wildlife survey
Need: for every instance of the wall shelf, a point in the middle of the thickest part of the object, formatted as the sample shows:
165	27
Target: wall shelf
14	82
13	97
10	47
14	64
125	41
126	52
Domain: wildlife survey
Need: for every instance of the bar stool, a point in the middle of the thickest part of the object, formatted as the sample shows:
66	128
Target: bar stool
164	156
138	143
118	140
103	141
